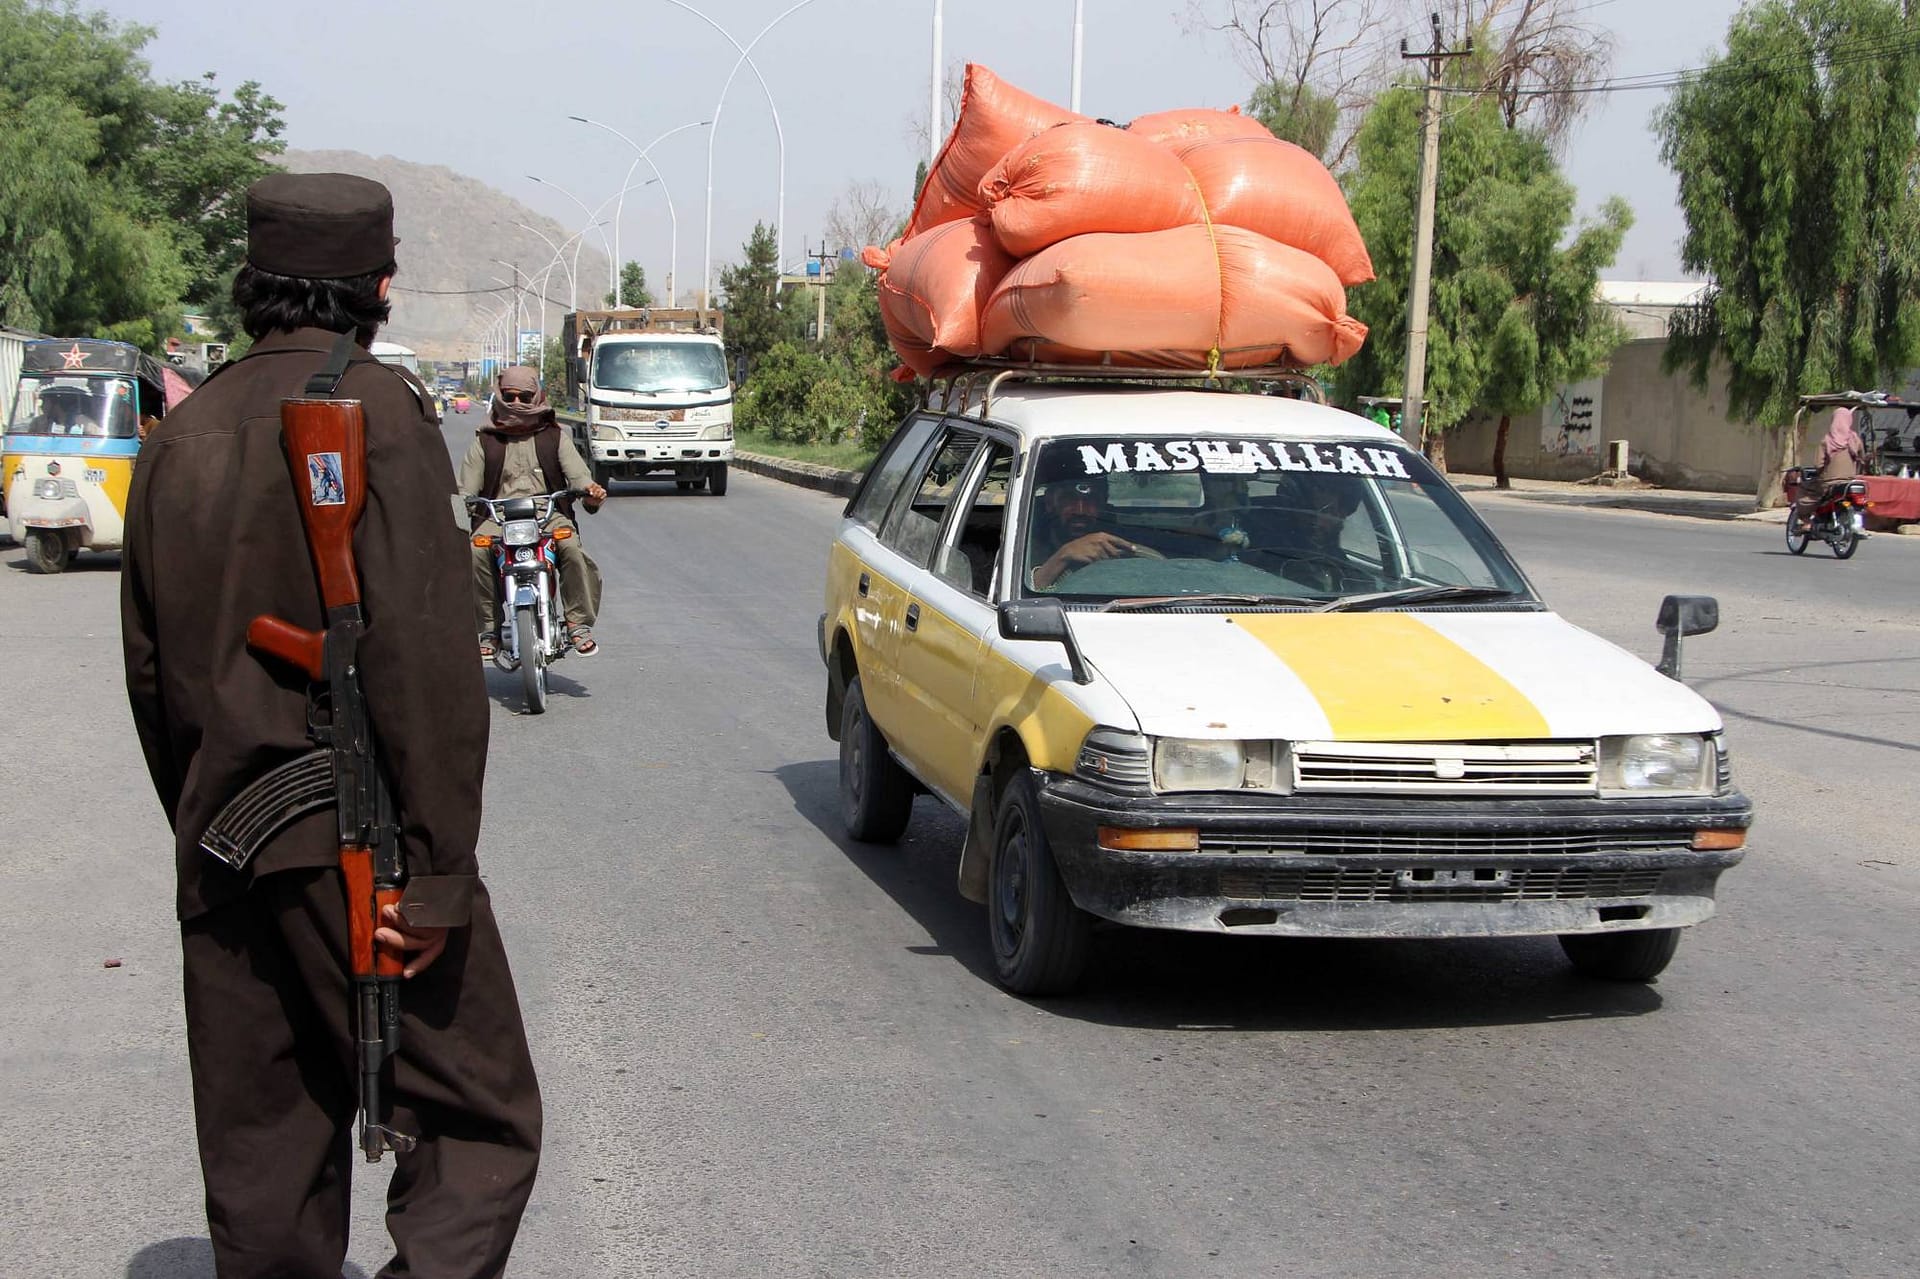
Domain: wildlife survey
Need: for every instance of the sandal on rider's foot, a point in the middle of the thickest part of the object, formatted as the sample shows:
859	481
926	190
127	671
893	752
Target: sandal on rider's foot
583	642
488	646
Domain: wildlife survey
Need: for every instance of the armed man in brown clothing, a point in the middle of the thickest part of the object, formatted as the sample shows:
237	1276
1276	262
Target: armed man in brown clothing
215	539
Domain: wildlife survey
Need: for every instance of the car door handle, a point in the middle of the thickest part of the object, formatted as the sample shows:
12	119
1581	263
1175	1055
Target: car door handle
864	583
913	617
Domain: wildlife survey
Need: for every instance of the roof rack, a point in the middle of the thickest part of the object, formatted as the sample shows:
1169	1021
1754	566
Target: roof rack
965	376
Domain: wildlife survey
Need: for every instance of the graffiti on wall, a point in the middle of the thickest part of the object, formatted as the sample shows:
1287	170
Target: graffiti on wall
1570	422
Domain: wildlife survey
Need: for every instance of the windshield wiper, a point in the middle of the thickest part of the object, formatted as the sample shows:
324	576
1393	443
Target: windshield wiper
1143	603
1414	595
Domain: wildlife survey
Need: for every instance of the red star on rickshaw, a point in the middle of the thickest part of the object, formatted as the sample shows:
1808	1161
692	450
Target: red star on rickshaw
74	356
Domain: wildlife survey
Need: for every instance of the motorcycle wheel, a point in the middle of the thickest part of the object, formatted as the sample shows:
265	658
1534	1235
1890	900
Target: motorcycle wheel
46	550
1845	540
1796	537
533	660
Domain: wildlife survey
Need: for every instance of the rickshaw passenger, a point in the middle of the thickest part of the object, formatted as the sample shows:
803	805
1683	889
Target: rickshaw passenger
63	412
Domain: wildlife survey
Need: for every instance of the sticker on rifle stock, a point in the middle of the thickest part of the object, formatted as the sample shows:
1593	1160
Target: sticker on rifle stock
323	475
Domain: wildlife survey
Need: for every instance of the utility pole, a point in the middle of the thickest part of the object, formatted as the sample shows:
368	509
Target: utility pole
1413	401
824	258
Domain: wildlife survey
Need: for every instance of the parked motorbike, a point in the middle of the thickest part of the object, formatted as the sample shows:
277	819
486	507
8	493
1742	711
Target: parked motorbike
526	568
1839	518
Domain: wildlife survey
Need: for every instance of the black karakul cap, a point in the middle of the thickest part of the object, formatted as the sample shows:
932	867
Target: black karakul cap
319	226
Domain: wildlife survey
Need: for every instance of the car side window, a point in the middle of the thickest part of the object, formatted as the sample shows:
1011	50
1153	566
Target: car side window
869	505
971	549
913	525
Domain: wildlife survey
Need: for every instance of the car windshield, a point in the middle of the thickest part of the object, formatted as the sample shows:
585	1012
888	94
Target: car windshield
659	366
1138	523
85	406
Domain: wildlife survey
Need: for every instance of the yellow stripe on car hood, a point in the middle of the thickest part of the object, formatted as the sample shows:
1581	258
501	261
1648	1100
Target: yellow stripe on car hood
1385	677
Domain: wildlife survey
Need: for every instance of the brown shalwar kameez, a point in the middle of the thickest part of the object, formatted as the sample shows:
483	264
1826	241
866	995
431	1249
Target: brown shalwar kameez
213	540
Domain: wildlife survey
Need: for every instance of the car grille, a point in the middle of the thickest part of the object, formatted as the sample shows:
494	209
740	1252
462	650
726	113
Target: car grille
1447	844
1445	768
663	433
1528	883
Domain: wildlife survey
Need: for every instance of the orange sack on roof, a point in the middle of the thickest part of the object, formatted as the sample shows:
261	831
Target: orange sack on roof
1179	129
994	118
1168	297
1075	179
1283	192
933	288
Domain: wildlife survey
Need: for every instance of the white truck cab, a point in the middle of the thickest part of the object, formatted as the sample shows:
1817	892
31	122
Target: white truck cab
657	394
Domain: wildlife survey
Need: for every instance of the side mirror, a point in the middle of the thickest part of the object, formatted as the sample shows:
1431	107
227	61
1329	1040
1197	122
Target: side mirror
1043	620
1680	616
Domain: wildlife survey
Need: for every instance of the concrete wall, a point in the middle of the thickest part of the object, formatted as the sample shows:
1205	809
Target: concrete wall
1678	437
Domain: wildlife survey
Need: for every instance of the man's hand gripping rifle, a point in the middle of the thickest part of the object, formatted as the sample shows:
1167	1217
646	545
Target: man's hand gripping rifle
325	442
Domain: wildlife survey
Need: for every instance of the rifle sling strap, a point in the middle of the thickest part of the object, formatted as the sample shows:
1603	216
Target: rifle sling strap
323	384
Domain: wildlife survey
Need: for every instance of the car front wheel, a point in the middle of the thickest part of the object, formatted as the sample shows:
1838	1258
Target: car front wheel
1636	956
1040	938
876	795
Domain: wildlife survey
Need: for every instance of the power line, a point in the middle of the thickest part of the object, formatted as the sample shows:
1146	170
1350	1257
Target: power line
1841	54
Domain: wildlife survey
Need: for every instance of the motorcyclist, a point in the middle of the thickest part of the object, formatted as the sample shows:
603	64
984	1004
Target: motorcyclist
1842	453
522	452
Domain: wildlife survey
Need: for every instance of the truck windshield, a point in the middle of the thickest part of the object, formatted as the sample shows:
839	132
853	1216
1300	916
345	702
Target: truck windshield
1327	523
95	406
659	366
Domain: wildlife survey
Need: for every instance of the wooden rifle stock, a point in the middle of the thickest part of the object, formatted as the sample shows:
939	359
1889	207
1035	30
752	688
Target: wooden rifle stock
326	442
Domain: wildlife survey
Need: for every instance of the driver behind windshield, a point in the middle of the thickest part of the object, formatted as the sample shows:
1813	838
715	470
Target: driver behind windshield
1067	532
63	411
522	452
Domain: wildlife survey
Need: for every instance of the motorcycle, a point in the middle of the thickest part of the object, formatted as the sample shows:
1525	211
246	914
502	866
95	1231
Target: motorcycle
1839	518
526	567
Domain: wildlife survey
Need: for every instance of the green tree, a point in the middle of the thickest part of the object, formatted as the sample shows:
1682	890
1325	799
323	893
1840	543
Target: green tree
1796	158
120	198
1297	113
1512	312
750	294
633	286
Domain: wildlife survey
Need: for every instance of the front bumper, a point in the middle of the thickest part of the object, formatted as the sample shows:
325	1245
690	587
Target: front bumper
1393	867
660	453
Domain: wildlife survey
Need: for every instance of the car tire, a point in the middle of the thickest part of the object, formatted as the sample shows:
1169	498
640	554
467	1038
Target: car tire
1041	940
686	486
603	476
876	795
46	550
1641	955
717	479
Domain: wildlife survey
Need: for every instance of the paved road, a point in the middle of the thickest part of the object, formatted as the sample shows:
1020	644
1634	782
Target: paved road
767	1051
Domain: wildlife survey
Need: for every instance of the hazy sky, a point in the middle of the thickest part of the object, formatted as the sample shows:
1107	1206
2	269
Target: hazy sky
486	86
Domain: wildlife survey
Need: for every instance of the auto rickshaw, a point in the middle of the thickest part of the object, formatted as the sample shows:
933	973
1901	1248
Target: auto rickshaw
67	458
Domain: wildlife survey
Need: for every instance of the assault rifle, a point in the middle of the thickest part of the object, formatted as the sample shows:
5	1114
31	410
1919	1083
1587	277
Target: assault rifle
325	442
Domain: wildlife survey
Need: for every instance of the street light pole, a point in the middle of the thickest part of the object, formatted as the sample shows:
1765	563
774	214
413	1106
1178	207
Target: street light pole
746	51
517	320
612	280
673	217
933	100
1079	47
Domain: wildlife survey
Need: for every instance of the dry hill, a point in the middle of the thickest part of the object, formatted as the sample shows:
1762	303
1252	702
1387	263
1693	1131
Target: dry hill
449	227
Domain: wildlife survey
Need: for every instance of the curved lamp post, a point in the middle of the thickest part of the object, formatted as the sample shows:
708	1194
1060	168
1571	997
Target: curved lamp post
626	185
745	58
612	268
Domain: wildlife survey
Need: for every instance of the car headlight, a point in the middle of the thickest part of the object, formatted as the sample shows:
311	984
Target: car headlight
606	431
724	431
1657	763
1189	763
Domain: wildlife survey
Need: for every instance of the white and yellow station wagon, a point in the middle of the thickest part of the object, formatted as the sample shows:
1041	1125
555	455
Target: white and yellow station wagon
1243	663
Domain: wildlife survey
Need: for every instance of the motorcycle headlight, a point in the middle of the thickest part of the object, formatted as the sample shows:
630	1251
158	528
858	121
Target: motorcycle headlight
520	532
1657	763
1189	763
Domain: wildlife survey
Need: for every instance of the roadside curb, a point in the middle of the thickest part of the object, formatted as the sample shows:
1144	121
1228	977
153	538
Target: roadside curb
826	479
